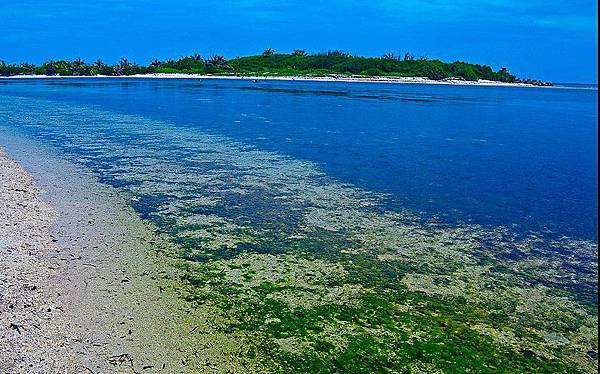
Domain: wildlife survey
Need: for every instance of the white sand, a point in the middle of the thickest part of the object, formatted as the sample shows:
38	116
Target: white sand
80	278
337	78
35	333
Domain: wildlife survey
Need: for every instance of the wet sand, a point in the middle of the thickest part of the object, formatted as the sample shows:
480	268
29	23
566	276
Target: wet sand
84	286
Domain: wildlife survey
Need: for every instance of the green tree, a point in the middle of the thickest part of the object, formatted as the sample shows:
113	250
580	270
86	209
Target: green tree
217	63
268	52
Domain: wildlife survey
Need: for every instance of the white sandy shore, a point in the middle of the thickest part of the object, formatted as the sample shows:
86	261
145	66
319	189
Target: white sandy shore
35	333
83	287
340	78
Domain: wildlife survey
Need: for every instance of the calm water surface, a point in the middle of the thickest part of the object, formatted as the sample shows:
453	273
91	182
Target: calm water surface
341	227
520	157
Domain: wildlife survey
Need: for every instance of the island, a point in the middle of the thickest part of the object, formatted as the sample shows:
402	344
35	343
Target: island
300	64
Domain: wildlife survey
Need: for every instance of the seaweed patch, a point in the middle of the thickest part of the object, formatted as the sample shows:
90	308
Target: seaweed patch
318	275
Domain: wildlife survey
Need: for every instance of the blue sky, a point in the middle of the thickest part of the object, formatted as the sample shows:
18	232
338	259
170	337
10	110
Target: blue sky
553	40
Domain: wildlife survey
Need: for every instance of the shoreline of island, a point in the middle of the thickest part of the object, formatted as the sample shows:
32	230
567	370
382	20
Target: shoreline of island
85	284
299	78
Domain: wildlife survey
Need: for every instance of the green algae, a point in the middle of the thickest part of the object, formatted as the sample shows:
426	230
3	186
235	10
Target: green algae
318	276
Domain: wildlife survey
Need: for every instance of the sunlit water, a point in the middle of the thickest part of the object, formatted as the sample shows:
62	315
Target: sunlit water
485	155
477	203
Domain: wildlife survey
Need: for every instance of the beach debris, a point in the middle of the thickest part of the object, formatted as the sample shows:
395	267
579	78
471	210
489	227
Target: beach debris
119	360
17	327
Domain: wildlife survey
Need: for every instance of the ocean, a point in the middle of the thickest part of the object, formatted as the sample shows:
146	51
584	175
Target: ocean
522	157
322	209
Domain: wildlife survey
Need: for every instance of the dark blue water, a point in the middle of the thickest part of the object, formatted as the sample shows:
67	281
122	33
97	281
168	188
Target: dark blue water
521	157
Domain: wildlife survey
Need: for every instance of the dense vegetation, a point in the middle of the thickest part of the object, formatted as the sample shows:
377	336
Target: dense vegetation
298	63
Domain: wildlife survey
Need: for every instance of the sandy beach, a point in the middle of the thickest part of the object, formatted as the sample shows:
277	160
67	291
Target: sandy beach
83	287
348	79
35	333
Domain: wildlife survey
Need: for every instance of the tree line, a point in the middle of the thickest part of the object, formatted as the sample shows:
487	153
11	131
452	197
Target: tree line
297	63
